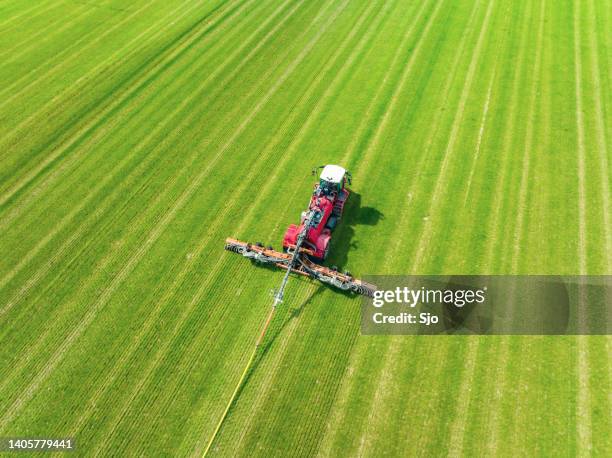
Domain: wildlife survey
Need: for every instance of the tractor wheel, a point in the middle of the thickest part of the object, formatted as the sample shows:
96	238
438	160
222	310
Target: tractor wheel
259	244
347	273
270	248
334	268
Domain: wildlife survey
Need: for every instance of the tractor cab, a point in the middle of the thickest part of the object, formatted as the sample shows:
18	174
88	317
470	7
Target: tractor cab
332	179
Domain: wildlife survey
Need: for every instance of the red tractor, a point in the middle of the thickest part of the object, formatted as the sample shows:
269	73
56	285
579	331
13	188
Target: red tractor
307	244
324	211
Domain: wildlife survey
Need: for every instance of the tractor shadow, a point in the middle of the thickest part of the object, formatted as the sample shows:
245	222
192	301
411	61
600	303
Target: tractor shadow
342	239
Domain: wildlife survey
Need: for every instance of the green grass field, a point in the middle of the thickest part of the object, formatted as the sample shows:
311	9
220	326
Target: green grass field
136	136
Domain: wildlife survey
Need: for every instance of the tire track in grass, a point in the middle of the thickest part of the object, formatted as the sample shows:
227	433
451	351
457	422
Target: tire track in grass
584	440
153	236
602	147
481	130
95	115
504	353
147	142
186	167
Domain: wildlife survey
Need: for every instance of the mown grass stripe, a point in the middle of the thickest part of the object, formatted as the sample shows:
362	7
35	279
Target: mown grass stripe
584	441
604	169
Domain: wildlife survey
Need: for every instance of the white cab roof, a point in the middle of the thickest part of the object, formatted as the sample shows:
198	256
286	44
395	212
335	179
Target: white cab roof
333	173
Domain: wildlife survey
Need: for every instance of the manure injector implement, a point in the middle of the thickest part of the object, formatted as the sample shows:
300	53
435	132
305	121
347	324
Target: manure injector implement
307	244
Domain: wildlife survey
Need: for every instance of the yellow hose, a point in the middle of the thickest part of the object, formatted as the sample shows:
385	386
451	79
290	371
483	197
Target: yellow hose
239	385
